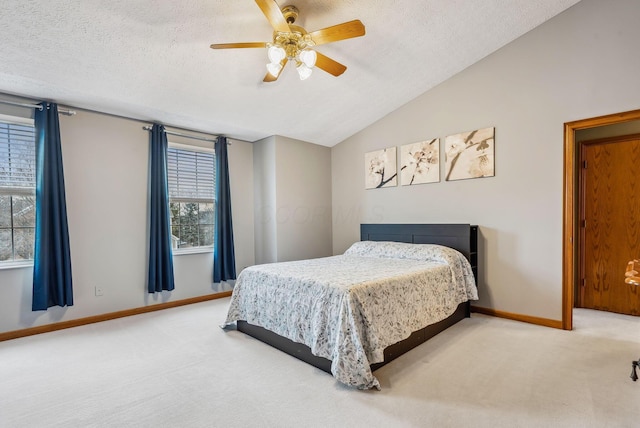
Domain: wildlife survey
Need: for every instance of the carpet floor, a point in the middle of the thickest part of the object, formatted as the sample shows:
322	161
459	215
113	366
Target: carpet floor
177	368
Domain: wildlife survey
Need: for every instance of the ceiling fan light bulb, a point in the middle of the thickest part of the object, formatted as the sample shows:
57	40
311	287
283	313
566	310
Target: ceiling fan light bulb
274	69
308	57
303	71
276	54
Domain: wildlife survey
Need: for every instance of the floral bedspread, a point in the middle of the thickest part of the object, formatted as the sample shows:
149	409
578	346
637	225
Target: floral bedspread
348	308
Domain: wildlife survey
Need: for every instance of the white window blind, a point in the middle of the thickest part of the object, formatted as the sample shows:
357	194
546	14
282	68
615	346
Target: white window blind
191	175
17	159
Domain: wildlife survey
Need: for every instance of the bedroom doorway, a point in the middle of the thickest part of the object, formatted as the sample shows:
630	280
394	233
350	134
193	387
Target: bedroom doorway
574	140
609	223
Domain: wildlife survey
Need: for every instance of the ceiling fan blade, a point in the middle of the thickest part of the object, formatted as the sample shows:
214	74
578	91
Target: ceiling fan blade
275	17
330	66
270	77
239	45
346	30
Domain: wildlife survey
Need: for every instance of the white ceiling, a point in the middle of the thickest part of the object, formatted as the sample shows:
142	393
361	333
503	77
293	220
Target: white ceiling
150	59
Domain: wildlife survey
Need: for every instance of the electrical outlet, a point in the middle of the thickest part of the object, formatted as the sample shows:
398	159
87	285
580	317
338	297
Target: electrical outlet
99	291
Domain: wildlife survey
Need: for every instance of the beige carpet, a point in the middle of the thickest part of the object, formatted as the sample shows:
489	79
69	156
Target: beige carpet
177	368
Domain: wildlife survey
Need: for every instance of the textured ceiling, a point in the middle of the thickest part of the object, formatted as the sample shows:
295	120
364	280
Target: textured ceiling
150	59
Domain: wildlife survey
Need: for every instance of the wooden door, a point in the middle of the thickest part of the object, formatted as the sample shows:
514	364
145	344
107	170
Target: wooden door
610	213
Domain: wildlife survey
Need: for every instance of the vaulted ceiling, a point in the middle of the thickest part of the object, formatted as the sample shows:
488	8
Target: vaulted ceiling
151	60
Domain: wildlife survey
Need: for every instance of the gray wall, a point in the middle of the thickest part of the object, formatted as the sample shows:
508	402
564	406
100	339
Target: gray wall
582	63
264	160
303	213
293	200
106	166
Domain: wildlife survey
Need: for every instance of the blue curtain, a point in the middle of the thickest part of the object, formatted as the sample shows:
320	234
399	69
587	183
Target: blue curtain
224	262
160	255
52	285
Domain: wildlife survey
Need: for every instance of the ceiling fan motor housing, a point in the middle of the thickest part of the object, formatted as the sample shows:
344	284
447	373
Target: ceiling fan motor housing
290	14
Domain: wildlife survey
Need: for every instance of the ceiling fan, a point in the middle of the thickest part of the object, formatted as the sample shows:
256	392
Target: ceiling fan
293	43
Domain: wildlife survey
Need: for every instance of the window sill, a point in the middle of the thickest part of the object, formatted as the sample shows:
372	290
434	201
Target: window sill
16	265
197	250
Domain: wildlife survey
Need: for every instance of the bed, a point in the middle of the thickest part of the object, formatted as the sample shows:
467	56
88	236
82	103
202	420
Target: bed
351	314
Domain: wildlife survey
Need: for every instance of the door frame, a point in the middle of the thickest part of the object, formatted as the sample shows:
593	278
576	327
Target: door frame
570	206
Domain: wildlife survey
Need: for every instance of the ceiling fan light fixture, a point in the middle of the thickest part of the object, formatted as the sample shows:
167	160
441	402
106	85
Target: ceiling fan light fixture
276	54
274	69
308	57
304	71
292	43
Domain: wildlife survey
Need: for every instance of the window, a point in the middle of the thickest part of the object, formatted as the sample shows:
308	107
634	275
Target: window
17	190
191	173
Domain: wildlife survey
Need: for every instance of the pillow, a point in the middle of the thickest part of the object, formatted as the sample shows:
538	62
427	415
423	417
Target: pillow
460	267
402	250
